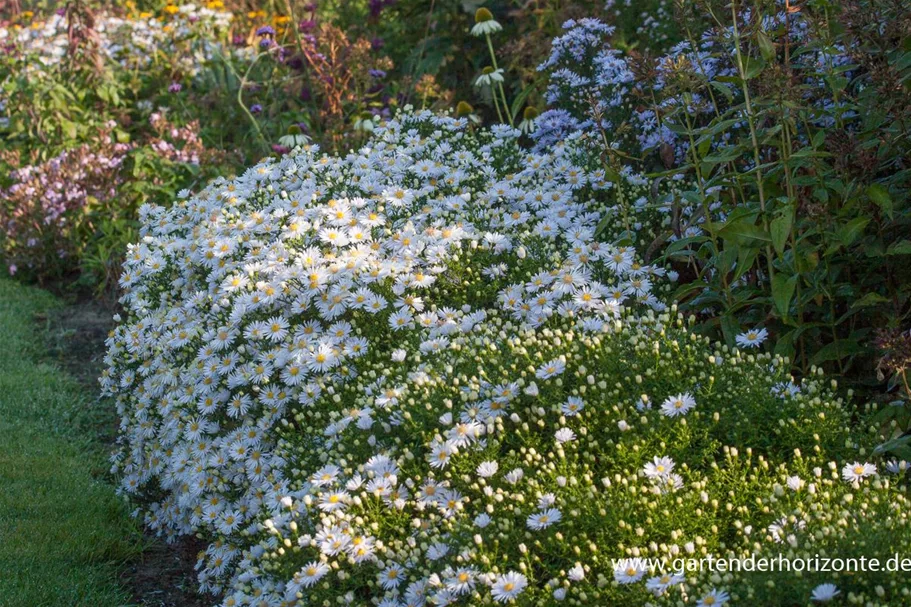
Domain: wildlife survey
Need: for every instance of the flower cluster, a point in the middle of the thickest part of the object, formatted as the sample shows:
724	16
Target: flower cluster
413	375
132	42
595	86
48	210
41	211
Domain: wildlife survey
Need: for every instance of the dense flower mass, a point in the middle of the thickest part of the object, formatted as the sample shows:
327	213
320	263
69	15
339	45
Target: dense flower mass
415	376
593	85
50	206
131	42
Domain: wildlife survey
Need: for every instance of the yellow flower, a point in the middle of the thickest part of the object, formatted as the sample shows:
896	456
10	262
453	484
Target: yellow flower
171	9
216	4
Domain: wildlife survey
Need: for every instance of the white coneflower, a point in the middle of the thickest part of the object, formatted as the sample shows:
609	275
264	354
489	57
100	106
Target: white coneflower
528	124
465	110
365	122
294	138
856	472
825	593
489	76
484	23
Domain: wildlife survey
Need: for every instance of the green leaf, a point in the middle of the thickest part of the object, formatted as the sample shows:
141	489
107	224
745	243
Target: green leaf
849	232
870	299
880	196
753	67
902	247
783	287
781	229
745	260
520	99
729	327
836	350
742	230
766	47
726	154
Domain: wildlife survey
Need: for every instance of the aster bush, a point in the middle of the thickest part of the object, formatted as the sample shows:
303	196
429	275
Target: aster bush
421	374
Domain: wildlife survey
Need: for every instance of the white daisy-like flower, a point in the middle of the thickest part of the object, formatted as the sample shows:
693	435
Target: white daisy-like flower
544	519
856	472
629	571
565	435
752	338
824	593
577	573
678	405
658	467
487	469
550	369
573	406
312	572
660	584
508	586
715	598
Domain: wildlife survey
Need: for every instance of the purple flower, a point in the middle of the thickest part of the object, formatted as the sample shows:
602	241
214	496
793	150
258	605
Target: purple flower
175	87
256	108
377	74
306	26
377	43
265	30
266	43
239	40
280	149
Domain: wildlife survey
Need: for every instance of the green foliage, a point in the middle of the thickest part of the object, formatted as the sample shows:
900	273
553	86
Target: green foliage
814	241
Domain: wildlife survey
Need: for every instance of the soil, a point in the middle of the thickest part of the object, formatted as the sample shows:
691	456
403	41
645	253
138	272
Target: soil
163	574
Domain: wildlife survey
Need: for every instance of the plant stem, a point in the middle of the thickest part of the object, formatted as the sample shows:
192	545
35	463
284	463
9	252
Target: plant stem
493	59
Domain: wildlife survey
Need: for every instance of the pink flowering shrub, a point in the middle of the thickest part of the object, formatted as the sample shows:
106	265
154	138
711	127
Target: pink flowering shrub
48	204
75	211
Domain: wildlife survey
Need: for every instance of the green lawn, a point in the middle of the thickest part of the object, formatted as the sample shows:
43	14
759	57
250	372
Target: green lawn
63	532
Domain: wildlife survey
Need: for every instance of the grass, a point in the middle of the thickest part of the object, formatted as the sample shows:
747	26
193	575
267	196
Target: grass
63	533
